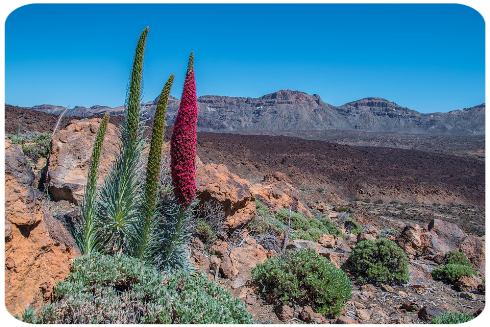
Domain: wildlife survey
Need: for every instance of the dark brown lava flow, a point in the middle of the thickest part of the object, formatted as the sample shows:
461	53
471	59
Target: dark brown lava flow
363	172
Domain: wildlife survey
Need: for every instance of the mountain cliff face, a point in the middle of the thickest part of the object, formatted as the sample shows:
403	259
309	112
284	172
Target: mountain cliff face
294	110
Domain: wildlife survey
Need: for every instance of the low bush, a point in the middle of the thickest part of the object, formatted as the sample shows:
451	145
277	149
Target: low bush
457	258
204	231
310	229
305	278
298	221
35	145
451	272
388	232
352	226
452	318
106	289
379	261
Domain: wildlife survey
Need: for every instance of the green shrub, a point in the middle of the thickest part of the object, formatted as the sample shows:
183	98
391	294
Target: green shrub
352	226
310	229
262	209
105	289
452	318
266	224
204	232
457	258
451	272
35	145
379	261
305	278
388	232
315	233
298	221
328	227
302	235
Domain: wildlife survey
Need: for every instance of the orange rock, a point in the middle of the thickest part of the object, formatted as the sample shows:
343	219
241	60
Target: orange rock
277	192
70	158
232	192
327	241
38	250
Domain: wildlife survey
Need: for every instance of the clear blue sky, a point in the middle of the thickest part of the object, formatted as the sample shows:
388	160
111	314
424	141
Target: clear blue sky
430	58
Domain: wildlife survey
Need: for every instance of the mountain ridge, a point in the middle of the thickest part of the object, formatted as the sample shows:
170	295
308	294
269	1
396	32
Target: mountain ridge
296	110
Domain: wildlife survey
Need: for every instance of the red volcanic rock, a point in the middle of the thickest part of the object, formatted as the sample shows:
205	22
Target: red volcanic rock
413	240
38	250
232	192
277	192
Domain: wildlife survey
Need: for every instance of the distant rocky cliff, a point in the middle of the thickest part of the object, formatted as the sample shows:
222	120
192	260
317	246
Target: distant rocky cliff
294	110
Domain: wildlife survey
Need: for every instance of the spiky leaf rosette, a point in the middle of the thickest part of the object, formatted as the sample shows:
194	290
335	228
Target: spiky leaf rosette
87	236
183	143
170	243
153	169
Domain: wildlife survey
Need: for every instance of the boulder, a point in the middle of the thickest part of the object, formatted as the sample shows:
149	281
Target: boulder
284	312
445	236
474	249
370	234
427	313
413	240
467	283
346	320
70	158
327	241
309	316
244	258
232	192
277	192
38	250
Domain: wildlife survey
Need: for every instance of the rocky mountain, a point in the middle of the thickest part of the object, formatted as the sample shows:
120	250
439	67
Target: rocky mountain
293	110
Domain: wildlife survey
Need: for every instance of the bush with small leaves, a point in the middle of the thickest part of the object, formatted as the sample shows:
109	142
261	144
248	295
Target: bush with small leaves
451	272
298	221
262	209
305	278
35	145
388	232
452	318
352	226
106	289
457	258
204	231
379	261
310	229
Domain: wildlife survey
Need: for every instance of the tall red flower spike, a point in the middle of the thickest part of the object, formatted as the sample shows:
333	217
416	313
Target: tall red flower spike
183	143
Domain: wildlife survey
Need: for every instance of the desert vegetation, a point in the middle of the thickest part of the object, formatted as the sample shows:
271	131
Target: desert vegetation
304	277
379	261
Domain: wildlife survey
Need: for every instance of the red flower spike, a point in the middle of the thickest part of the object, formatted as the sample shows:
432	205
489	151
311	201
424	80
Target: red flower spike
184	140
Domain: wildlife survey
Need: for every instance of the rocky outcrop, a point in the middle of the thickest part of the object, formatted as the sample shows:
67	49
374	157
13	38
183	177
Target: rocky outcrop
38	250
70	158
437	239
216	182
413	240
277	192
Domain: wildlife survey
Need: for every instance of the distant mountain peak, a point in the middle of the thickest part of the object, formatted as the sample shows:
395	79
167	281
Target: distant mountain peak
293	96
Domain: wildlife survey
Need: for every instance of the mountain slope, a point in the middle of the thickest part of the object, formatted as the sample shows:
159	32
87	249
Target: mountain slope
294	110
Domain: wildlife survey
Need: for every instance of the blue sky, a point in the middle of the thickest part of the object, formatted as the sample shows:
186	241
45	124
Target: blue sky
430	58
